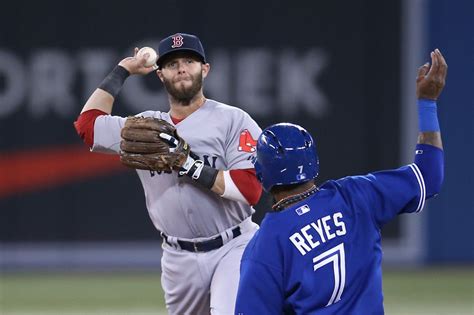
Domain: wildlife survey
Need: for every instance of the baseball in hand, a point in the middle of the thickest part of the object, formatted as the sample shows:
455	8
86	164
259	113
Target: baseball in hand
152	55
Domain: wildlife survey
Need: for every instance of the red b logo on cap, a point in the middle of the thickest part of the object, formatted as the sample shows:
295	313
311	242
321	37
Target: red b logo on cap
177	41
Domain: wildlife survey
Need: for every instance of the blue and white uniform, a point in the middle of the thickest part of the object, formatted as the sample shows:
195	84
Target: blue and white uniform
323	255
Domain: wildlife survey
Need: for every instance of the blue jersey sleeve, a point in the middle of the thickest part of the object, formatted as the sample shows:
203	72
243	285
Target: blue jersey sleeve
430	161
387	193
260	289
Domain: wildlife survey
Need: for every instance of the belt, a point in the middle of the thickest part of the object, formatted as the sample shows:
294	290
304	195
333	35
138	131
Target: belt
204	246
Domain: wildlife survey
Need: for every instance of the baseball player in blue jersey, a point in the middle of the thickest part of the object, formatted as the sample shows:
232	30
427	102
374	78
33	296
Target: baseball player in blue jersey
319	251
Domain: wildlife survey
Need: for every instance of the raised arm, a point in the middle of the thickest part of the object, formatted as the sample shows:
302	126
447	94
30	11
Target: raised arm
102	100
429	84
103	97
429	156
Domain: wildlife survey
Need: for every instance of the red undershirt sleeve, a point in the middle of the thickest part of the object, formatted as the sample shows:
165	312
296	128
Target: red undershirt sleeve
248	184
85	125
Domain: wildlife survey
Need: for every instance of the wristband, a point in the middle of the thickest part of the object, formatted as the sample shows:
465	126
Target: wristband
198	171
114	81
203	174
427	116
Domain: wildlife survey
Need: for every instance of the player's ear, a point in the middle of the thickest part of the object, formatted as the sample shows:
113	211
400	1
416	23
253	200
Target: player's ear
159	74
205	69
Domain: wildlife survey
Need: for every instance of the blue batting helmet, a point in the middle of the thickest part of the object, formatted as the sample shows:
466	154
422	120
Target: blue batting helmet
286	154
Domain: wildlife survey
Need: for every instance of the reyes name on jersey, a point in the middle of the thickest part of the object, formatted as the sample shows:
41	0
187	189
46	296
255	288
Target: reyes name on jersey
323	254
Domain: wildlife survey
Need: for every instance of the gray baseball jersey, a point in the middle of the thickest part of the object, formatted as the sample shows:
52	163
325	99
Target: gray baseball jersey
176	206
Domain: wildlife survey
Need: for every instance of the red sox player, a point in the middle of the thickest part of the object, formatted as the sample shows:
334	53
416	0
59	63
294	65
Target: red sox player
205	220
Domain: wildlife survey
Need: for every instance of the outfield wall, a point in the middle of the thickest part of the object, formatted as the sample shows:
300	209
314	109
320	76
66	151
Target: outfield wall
347	75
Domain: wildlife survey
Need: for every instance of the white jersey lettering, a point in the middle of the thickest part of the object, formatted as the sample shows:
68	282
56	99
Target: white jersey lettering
340	224
317	226
309	237
304	240
327	228
299	243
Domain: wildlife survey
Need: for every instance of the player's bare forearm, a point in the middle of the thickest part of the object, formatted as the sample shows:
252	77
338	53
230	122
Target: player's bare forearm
219	184
431	138
100	100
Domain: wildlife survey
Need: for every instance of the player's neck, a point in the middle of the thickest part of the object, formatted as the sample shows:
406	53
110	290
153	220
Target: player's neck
281	196
182	110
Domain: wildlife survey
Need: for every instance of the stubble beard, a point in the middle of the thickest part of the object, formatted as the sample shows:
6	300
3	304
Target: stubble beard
184	95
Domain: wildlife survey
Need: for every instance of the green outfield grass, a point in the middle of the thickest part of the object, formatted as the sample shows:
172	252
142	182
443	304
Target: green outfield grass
428	291
431	291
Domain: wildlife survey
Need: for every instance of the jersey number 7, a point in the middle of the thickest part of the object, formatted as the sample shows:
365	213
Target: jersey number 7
335	256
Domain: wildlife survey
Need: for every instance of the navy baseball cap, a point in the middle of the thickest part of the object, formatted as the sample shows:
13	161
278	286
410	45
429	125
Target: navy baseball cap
180	42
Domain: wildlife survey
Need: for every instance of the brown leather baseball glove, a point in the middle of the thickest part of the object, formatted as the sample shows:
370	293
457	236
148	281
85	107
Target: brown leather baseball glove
152	144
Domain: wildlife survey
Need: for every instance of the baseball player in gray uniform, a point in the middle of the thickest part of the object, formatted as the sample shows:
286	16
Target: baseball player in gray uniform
205	220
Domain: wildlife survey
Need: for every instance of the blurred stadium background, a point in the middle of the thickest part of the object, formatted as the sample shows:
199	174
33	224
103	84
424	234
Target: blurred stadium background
75	237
